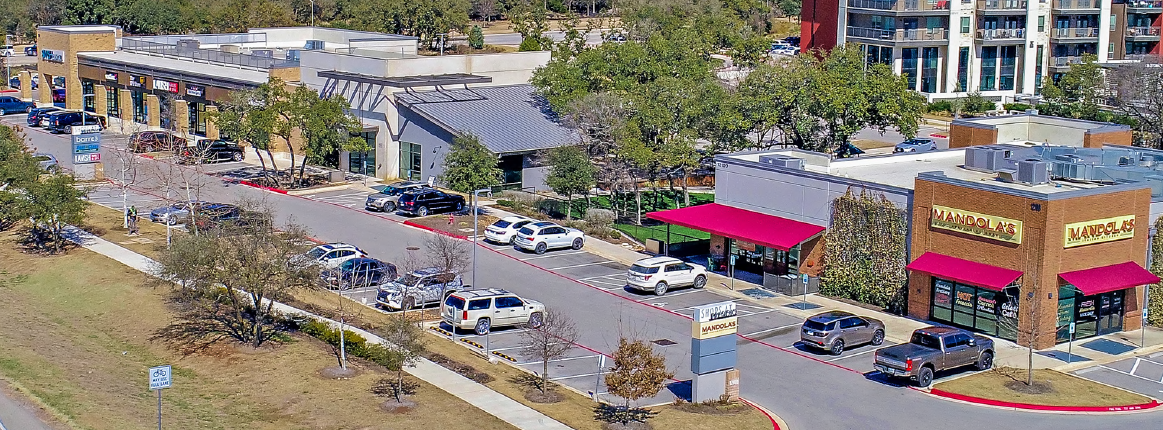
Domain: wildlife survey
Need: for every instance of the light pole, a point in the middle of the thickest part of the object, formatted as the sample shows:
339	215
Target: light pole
1147	288
476	195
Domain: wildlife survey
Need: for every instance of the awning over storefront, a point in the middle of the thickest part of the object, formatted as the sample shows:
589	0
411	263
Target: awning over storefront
741	224
964	271
1109	278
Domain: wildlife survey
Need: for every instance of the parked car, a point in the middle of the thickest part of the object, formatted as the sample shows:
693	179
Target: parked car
58	95
428	200
7	50
9	104
211	216
418	288
660	274
176	213
64	121
542	236
150	141
331	255
358	272
835	330
14	82
31	51
784	49
915	145
481	310
933	349
505	229
210	150
38	116
47	162
388	198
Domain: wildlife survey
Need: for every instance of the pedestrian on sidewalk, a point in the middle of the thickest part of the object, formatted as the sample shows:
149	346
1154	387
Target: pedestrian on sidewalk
132	215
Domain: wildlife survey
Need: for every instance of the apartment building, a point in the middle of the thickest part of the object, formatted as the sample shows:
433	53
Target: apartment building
1001	48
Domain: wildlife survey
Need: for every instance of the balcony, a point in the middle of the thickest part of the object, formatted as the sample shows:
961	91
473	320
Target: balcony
1002	7
1076	6
901	5
1083	34
899	35
1016	35
1153	7
1064	62
1143	34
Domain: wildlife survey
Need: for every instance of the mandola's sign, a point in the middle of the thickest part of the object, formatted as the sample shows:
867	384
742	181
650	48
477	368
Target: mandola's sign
1100	230
988	226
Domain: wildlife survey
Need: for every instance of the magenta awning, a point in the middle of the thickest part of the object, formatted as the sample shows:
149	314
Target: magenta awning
1109	278
964	271
741	224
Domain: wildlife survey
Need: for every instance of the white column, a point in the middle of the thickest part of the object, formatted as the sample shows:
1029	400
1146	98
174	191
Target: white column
953	48
842	23
1104	29
1025	82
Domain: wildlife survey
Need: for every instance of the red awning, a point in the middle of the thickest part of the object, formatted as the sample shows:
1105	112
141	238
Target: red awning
740	224
964	271
1109	278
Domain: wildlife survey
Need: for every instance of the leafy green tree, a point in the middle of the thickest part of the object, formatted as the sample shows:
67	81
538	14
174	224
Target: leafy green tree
570	172
424	19
326	127
1078	93
86	12
51	204
18	169
154	16
638	373
250	116
790	7
531	21
476	38
470	166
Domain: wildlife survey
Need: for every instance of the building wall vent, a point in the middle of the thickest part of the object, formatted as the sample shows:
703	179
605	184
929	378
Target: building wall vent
782	161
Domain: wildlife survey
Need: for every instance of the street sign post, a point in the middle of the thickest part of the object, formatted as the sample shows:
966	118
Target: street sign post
160	378
804	278
1070	345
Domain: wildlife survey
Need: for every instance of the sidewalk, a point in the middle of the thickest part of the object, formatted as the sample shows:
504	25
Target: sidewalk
492	402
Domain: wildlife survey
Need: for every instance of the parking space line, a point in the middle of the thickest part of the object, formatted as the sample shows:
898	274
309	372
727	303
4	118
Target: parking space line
695	306
513	347
552	255
761	312
771	329
1149	361
557	360
852	355
580	265
1130	374
495	334
1135	366
575	376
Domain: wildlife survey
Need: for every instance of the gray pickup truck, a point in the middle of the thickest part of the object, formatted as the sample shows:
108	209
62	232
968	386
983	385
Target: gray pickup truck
933	349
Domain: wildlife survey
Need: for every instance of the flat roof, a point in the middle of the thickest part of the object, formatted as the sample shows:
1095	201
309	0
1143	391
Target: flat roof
79	28
1028	119
407	81
183	69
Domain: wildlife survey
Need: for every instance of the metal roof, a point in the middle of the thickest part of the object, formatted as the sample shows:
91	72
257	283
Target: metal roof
407	81
507	119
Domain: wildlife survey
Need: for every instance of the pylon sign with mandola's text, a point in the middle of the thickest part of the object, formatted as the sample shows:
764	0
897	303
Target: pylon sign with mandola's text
713	351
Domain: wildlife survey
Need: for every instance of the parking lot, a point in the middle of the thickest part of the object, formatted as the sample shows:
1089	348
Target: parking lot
1142	374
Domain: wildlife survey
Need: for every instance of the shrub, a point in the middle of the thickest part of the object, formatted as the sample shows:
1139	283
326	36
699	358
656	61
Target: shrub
600	218
476	38
530	44
1017	106
940	106
355	344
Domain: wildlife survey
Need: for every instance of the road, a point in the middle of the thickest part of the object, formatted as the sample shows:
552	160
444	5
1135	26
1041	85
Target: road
514	39
808	390
14	415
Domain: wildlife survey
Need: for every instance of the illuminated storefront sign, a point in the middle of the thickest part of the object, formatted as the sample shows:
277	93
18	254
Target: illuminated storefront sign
987	226
159	84
1099	231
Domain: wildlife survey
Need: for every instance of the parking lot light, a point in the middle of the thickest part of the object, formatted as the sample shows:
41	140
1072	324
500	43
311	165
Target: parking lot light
476	195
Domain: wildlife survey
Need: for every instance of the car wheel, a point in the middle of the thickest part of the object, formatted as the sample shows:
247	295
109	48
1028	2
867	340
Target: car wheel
171	221
3	112
540	248
578	243
423	211
925	377
68	129
837	347
482	327
237	156
700	282
535	320
660	288
878	337
512	239
986	361
409	303
389	207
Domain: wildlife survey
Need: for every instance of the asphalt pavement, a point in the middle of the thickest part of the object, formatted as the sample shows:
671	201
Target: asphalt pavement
808	389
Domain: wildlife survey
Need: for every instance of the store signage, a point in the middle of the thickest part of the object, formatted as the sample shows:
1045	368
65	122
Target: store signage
964	299
1086	309
87	158
52	55
159	84
1100	230
986	305
1009	309
195	90
972	223
714	311
716	328
111	76
86	144
943	294
137	81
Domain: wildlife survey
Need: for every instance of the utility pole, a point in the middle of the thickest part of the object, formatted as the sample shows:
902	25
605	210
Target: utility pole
312	13
476	197
442	42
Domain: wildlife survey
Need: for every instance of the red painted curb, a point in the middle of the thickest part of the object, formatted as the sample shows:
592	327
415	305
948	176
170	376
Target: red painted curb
774	425
938	135
1140	407
263	187
424	227
147	156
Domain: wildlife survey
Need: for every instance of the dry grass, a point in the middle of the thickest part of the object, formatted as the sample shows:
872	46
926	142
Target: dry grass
107	224
1068	390
76	337
871	144
505	26
461	224
576	410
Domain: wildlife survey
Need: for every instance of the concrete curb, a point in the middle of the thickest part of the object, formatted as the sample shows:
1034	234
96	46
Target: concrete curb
319	190
424	227
1041	408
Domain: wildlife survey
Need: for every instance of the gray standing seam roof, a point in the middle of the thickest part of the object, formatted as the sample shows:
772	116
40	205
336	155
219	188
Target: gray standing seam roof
507	119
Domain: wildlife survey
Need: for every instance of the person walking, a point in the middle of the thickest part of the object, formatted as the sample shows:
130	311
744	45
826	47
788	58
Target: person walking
132	214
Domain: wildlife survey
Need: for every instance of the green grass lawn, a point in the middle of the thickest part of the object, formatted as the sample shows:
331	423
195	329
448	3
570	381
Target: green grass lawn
651	202
677	233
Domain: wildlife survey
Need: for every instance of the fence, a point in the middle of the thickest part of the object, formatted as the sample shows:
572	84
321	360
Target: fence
206	55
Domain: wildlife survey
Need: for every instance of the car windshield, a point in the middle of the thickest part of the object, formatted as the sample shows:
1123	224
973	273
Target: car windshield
390	190
454	302
41	158
347	265
926	340
408	279
526	231
502	224
316	253
643	269
814	325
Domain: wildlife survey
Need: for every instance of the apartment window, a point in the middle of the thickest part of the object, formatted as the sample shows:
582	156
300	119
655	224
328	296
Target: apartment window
1110	51
909	65
877	54
1041	23
929	70
1009	60
963	69
1038	70
988	68
1114	20
964	25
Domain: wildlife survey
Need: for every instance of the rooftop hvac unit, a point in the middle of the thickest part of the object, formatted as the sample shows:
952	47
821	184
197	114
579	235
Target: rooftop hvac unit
186	45
1068	158
995	160
1033	172
785	162
1156	183
1070	170
985	158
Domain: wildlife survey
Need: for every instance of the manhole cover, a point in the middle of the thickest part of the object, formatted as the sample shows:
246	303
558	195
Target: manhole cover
664	342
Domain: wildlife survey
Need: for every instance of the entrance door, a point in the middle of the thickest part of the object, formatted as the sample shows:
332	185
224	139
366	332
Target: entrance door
1110	312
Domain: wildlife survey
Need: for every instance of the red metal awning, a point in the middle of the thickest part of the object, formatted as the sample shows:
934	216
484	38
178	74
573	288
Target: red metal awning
741	224
1109	278
964	271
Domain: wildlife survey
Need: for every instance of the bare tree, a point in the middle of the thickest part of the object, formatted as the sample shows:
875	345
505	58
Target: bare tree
1135	92
1032	309
180	184
638	373
406	340
449	254
127	169
486	9
550	336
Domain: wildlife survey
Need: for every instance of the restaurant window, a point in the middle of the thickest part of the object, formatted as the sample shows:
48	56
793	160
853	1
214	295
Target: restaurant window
140	111
113	102
88	96
753	258
196	114
1093	315
988	311
410	161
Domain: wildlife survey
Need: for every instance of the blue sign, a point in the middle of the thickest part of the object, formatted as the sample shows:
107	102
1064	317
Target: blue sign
85	149
86	146
52	55
804	278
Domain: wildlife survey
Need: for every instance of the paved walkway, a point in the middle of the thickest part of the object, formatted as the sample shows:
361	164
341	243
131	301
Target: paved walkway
496	404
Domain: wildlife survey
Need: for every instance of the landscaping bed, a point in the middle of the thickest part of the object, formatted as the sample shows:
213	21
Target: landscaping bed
461	224
1052	388
108	224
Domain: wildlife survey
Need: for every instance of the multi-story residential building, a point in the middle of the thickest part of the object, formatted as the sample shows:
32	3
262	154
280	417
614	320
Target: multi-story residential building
1001	48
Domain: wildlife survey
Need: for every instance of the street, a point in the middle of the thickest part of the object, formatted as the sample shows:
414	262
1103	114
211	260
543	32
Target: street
808	389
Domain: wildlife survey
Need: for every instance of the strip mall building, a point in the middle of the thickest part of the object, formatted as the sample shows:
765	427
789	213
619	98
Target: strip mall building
1015	240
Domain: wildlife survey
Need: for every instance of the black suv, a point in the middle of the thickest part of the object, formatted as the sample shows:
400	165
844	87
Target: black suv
211	150
425	201
63	122
215	215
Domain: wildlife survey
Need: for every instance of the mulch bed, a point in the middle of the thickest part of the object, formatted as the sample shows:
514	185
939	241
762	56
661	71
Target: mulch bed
631	426
394	407
1038	387
549	396
460	223
712	408
461	368
336	372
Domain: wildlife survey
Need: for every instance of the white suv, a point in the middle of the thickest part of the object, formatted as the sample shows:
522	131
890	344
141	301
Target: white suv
541	236
331	255
481	310
504	230
659	274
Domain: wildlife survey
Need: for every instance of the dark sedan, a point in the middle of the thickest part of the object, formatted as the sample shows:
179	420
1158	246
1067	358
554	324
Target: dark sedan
426	201
358	272
37	116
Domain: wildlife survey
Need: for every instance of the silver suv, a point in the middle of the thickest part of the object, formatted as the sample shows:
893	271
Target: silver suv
388	198
418	288
834	330
481	310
